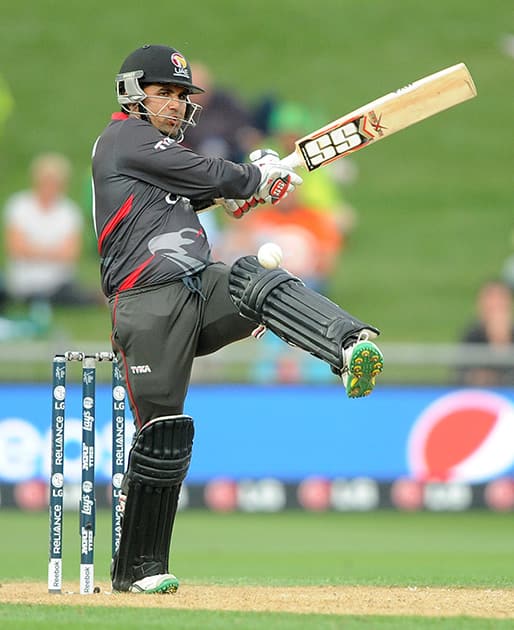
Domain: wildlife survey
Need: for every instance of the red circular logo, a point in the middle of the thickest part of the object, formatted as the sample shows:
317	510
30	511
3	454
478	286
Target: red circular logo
464	436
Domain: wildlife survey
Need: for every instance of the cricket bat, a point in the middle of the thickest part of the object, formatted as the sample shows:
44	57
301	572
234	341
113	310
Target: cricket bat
383	117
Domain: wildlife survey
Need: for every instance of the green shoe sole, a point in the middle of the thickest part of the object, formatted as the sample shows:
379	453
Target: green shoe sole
365	365
166	585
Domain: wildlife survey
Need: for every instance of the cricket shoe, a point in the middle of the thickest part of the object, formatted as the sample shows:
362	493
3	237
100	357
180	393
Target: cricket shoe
162	583
363	362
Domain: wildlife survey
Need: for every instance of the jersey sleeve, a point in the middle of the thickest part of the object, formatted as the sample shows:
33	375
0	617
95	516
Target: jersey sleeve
144	153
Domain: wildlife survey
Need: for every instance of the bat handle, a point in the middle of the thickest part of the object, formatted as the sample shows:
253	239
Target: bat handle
293	160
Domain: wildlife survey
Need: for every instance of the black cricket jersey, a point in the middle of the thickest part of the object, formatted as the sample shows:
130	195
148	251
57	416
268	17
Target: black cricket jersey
146	190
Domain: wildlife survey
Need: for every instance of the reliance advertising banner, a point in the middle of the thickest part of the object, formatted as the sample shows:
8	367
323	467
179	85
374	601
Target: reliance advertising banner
310	440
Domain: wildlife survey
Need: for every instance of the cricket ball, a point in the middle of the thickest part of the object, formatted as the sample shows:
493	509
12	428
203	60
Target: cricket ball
270	255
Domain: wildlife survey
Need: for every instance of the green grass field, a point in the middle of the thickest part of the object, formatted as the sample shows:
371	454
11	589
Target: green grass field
289	549
434	202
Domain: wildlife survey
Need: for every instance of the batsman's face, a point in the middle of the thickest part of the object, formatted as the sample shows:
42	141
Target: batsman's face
166	107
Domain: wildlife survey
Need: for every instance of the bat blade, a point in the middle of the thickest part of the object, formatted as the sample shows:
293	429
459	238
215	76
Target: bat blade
383	117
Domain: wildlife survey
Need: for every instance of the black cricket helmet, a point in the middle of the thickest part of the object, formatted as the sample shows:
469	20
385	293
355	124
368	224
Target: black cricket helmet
152	64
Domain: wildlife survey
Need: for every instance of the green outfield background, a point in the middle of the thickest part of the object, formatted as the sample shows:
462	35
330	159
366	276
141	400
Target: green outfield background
435	202
387	548
291	548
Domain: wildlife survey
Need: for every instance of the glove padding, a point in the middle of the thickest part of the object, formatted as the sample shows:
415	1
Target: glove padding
236	208
277	181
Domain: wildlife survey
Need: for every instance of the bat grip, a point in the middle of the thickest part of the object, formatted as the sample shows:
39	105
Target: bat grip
293	160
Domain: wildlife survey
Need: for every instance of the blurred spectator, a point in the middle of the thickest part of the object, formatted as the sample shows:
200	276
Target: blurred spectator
225	128
43	231
311	242
311	226
322	190
494	326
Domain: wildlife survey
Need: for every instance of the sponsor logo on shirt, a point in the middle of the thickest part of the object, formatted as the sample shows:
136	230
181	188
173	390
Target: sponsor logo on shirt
163	144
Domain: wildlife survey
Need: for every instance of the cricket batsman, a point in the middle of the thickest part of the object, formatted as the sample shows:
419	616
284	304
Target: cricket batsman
170	302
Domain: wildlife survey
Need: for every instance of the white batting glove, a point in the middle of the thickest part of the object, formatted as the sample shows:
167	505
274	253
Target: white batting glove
277	181
259	157
236	208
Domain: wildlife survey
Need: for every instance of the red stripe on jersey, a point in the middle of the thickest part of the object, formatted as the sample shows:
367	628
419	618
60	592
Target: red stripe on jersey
119	216
131	279
119	116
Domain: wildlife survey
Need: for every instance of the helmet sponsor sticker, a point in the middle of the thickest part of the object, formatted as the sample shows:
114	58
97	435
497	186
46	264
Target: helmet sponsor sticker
180	63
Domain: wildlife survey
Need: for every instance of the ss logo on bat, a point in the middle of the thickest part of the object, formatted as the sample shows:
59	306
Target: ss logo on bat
331	144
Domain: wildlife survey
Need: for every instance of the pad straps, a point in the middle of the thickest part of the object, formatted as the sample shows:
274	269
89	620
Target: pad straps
294	312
